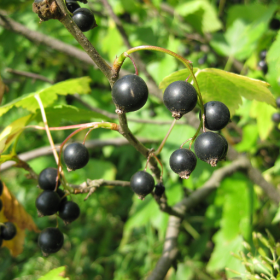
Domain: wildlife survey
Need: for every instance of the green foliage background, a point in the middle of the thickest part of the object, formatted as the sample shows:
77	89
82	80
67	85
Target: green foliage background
118	236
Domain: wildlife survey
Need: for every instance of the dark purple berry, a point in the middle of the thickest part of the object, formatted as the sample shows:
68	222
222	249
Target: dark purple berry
8	231
180	98
210	147
183	162
50	240
278	102
47	179
217	115
142	183
263	54
159	189
69	211
72	5
47	203
129	93
262	65
1	187
76	156
84	19
276	117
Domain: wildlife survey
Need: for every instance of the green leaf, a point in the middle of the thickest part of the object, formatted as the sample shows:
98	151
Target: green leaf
49	95
249	139
273	54
276	218
54	274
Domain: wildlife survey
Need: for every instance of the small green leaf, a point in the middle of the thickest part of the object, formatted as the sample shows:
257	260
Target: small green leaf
273	54
54	274
49	95
271	239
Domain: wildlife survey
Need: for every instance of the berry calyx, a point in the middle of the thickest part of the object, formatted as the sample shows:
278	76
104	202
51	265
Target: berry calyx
159	189
72	5
183	162
129	93
276	117
210	147
180	98
76	156
47	179
47	203
69	211
8	231
84	19
142	183
50	240
217	115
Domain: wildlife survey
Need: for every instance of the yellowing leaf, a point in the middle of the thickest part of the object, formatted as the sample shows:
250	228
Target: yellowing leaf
14	212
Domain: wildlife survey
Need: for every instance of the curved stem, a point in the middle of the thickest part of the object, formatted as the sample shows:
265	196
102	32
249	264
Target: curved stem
193	138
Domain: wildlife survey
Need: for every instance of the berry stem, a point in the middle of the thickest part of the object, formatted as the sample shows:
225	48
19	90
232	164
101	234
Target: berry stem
193	138
165	138
134	64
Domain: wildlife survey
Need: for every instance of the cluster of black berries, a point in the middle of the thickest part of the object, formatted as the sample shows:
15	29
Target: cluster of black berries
276	116
262	65
7	229
130	93
83	17
50	202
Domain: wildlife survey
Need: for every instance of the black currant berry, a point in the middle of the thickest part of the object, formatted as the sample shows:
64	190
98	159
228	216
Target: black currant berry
276	117
62	196
217	115
210	147
183	162
50	240
76	156
1	241
8	231
129	93
224	156
47	179
1	204
159	189
262	65
142	183
1	187
278	102
47	203
263	54
274	24
84	19
72	5
69	211
180	98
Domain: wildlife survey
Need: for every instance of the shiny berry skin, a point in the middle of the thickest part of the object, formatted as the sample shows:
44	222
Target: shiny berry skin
262	65
217	115
180	98
62	196
69	211
84	19
210	147
47	203
76	156
276	117
1	187
159	189
47	179
142	183
223	157
50	240
72	5
8	231
278	102
129	93
183	162
262	54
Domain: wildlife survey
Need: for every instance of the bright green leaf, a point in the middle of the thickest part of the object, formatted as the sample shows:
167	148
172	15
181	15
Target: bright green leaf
249	139
54	274
273	54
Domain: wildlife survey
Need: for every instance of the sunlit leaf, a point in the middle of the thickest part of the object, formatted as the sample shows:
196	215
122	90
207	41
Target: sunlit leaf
55	274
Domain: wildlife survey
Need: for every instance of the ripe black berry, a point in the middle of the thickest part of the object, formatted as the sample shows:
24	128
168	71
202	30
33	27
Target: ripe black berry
263	54
210	147
47	203
276	117
84	19
76	156
50	240
1	204
69	211
72	5
129	93
262	65
47	179
1	187
223	157
159	189
62	196
217	115
278	102
180	98
183	162
274	24
8	231
142	183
